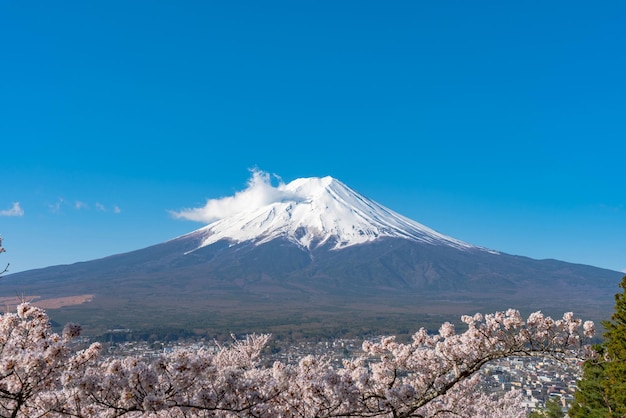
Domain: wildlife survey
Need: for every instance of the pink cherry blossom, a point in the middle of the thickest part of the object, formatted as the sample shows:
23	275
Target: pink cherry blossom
433	375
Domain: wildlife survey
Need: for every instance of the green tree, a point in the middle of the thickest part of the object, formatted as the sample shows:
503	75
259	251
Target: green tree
602	390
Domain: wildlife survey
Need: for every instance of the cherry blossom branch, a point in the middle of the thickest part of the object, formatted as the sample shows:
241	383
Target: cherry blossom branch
1	251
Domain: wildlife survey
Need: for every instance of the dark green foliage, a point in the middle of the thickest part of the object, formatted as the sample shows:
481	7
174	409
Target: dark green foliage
602	390
615	368
591	397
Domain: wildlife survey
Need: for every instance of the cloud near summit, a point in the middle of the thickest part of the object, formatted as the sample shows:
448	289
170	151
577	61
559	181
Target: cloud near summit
258	193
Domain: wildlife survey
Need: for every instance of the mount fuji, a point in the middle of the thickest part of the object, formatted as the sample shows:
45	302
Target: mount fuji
314	255
314	212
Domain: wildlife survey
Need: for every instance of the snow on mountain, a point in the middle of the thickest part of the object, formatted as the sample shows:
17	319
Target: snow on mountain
317	211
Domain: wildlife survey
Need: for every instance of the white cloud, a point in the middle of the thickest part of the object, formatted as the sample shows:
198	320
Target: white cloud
101	208
80	205
56	207
16	210
258	193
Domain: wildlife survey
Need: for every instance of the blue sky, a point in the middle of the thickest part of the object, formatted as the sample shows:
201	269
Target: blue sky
499	123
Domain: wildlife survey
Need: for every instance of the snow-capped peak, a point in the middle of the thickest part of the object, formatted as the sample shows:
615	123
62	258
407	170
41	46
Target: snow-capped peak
316	211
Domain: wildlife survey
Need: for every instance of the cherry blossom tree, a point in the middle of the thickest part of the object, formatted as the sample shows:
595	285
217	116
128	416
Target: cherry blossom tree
33	361
433	375
430	376
185	383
